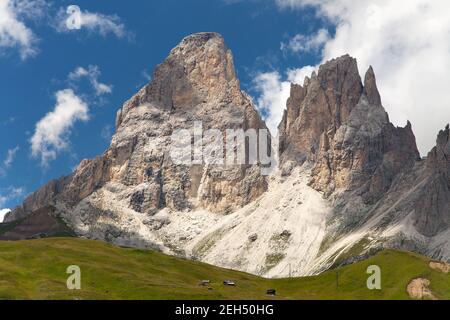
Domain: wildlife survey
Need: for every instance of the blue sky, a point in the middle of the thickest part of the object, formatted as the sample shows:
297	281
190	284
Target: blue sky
95	68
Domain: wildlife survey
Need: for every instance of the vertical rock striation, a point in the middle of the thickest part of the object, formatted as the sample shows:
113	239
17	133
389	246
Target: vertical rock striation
432	214
340	126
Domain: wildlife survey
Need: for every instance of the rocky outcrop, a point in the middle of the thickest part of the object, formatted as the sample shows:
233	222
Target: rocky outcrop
438	160
42	223
432	214
39	199
339	125
371	89
324	103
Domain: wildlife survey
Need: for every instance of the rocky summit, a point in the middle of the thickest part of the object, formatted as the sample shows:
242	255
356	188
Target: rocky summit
348	184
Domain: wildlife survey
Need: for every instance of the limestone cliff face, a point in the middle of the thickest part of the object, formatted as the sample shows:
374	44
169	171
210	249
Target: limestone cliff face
197	82
340	126
324	103
432	214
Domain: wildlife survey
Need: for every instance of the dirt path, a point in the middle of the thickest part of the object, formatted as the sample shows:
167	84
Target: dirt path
440	266
418	289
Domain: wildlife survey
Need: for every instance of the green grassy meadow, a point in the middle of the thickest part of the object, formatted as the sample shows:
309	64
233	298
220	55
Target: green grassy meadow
36	269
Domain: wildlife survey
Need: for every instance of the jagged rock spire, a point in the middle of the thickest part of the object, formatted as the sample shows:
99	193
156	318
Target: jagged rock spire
370	88
432	210
439	157
198	70
339	125
323	104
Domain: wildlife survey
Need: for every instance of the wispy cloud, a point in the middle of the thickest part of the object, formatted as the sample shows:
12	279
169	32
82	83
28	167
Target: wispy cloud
14	33
10	157
92	73
307	43
9	194
8	161
17	15
74	19
52	132
9	121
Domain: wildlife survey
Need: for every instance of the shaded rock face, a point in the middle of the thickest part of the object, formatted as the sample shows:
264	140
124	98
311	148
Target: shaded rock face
197	82
42	223
339	125
324	103
432	214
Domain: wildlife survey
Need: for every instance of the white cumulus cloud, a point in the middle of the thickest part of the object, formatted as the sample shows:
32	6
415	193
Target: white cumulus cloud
407	43
3	213
92	73
274	93
52	132
74	18
14	33
307	43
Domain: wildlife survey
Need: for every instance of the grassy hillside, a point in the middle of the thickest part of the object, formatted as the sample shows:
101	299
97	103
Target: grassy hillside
37	270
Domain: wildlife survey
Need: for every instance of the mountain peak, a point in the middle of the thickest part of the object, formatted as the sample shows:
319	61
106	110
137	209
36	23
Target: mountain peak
199	70
206	61
371	89
195	45
439	157
324	104
345	61
333	123
201	38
